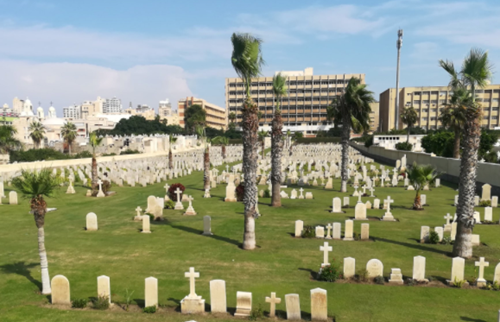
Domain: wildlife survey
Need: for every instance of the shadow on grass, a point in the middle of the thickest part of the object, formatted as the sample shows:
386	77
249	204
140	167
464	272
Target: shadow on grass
465	318
23	269
418	246
314	275
199	232
176	301
140	302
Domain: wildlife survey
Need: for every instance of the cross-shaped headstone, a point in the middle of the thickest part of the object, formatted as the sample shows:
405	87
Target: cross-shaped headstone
227	167
166	186
273	300
99	182
389	201
325	249
447	217
371	191
359	198
482	264
139	210
328	229
178	193
190	199
192	275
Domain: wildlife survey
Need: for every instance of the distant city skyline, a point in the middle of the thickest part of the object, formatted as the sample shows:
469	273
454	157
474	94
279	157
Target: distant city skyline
69	52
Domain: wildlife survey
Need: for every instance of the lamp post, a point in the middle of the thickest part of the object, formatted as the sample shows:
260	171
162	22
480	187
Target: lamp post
399	44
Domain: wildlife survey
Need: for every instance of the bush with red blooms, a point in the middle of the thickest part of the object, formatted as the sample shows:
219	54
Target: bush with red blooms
240	191
173	188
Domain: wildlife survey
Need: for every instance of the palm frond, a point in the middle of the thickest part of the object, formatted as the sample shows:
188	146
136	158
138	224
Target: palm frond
36	183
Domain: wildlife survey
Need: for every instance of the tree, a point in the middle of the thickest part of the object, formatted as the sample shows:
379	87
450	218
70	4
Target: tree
200	130
8	141
232	119
171	141
223	142
68	132
352	110
247	61
409	117
420	176
138	125
476	71
194	116
262	139
94	141
37	133
279	90
36	185
454	113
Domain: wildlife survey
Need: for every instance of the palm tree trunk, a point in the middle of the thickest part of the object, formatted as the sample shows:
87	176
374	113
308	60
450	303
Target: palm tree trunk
94	174
170	159
456	144
345	153
263	144
467	188
223	151
408	136
250	125
39	207
417	204
206	173
276	151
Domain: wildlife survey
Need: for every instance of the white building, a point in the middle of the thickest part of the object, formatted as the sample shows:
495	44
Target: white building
112	105
72	111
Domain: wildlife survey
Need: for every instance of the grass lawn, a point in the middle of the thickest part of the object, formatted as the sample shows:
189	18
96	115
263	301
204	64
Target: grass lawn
281	264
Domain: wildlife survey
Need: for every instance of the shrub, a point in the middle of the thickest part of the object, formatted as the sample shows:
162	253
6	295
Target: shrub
171	191
447	240
369	142
458	284
433	237
485	203
108	154
329	273
362	275
317	140
149	309
495	286
256	313
267	193
379	280
308	232
128	151
404	146
240	191
128	299
79	303
169	204
101	303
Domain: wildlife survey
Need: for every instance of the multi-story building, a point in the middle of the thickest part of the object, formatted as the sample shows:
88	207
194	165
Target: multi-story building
73	112
165	108
142	110
216	116
92	108
374	116
112	105
303	108
429	101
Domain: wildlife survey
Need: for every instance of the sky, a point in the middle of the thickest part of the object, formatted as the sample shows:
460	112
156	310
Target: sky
145	51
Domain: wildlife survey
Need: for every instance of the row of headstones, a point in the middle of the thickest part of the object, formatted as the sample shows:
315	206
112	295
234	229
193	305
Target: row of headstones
193	304
360	210
477	201
336	230
12	198
425	233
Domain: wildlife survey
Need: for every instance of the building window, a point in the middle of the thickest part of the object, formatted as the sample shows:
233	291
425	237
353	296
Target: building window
443	93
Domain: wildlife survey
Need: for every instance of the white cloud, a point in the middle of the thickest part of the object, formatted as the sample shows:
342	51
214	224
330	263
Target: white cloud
67	83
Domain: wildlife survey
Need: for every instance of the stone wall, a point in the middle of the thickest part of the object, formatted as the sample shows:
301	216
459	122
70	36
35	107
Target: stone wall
449	167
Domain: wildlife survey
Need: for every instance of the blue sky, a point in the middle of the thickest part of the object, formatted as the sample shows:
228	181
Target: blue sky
146	51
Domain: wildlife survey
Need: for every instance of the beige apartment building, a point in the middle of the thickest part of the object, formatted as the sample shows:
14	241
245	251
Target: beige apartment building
216	116
429	100
303	109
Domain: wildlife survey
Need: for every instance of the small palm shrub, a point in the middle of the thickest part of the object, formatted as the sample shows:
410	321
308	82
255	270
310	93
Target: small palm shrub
79	303
101	303
169	204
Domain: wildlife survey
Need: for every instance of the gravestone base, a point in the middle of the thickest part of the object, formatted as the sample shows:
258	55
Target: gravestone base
138	218
347	239
192	306
207	234
481	282
447	228
179	206
230	200
388	217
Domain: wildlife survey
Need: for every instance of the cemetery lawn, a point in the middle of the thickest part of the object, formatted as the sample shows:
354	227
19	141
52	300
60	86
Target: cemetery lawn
281	264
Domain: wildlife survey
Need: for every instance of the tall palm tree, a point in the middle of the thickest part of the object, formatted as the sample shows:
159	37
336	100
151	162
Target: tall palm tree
409	117
68	132
200	130
171	141
454	113
36	185
232	119
262	139
247	61
352	110
420	176
8	141
223	142
279	90
37	133
94	141
475	72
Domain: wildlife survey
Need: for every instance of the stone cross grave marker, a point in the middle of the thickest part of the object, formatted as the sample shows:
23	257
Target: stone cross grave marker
192	275
325	249
481	264
273	300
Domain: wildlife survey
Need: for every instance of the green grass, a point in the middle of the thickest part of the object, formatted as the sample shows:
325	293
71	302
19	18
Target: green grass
281	263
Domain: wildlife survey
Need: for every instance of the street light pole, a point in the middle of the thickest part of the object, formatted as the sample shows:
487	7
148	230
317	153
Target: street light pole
399	44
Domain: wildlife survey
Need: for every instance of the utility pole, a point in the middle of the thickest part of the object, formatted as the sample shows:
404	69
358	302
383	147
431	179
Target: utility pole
399	44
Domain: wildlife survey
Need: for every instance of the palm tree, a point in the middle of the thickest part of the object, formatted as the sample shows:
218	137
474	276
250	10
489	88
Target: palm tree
279	90
35	185
232	119
171	141
420	176
8	141
200	130
68	132
94	141
223	142
247	61
262	139
352	110
454	113
37	133
409	117
476	71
